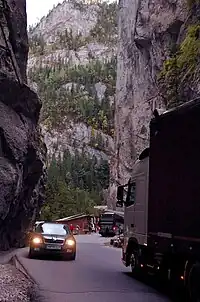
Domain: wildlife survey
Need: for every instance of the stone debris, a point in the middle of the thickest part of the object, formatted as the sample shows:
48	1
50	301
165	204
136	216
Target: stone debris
14	286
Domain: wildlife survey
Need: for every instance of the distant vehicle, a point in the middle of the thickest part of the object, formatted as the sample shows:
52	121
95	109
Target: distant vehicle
52	238
108	224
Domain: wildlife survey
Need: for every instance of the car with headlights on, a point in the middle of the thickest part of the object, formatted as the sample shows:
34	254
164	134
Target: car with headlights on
52	238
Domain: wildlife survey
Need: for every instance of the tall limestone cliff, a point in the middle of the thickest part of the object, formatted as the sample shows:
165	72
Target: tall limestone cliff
158	67
22	152
72	65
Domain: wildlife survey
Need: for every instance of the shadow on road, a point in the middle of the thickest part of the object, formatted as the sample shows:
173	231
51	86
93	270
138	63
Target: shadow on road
50	258
175	294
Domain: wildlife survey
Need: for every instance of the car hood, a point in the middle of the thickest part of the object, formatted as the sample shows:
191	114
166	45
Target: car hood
54	236
50	236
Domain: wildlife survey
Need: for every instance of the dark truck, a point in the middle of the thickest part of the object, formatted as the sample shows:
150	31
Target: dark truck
109	224
162	204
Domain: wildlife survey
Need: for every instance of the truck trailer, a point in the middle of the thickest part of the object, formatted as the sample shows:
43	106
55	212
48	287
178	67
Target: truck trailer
162	201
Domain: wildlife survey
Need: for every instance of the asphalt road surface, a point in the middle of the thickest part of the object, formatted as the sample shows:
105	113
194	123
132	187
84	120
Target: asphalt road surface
96	275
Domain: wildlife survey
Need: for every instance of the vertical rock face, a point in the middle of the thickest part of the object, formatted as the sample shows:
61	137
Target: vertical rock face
150	31
22	152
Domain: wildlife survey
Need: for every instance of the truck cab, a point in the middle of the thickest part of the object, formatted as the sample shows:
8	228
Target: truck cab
134	196
109	223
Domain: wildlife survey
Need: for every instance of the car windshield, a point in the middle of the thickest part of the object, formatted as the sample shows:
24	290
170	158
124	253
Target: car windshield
51	228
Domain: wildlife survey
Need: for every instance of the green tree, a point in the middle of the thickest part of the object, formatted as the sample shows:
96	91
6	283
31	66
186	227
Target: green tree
75	184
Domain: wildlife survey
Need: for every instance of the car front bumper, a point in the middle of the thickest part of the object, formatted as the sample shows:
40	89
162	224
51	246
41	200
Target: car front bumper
44	250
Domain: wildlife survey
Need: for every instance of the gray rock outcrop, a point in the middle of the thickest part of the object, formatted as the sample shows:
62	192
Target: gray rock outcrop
157	39
22	152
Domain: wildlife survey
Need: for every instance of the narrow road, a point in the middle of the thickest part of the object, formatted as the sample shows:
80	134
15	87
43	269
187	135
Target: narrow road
96	275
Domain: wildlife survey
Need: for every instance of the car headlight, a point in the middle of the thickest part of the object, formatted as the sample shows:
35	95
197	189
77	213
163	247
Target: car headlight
70	242
37	240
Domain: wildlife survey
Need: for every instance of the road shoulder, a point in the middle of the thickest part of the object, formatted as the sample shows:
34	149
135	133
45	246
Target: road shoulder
15	284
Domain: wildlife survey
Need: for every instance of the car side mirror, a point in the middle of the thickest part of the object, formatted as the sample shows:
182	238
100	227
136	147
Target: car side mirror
120	196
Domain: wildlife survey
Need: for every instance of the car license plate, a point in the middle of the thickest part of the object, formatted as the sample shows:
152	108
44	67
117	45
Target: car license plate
53	247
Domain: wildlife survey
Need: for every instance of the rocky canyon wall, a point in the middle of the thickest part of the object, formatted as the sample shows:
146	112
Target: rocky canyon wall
22	153
72	67
158	67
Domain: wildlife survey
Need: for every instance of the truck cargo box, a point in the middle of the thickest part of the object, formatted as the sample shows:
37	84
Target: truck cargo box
174	174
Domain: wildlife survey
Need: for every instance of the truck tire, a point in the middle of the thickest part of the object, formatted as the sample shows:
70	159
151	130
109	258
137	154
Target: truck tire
134	263
193	283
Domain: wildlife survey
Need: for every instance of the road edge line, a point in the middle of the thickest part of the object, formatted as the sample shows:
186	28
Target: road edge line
17	263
